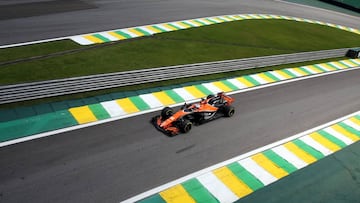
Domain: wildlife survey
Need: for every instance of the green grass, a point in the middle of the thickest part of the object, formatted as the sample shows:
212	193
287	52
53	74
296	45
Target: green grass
233	40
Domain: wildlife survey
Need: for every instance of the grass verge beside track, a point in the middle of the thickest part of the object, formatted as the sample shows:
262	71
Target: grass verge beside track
232	40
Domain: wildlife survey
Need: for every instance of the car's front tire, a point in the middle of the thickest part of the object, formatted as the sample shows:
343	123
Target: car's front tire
185	126
166	112
228	111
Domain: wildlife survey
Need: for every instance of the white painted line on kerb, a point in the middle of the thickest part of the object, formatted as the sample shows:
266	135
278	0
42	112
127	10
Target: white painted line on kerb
289	156
179	91
217	188
235	159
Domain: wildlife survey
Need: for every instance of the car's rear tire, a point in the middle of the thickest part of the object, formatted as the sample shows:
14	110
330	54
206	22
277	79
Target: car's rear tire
185	126
166	112
228	111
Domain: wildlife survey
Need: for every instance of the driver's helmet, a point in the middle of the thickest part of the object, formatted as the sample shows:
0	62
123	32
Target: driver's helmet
210	96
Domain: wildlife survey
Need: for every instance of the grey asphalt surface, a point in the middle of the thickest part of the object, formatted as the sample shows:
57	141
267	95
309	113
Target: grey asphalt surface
117	160
23	21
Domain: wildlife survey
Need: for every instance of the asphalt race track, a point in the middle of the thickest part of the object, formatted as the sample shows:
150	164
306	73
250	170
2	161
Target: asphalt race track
116	160
44	19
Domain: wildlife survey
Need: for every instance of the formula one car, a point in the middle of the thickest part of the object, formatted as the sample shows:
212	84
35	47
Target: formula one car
206	110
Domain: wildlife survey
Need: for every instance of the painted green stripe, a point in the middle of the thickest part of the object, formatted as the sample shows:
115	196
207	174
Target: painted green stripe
174	96
306	71
188	24
279	161
198	192
99	111
199	22
357	117
153	199
229	84
139	103
271	76
289	73
213	21
329	64
346	65
350	129
320	68
203	89
102	38
332	139
244	175
159	28
174	26
251	80
127	36
355	61
313	152
10	130
142	31
317	68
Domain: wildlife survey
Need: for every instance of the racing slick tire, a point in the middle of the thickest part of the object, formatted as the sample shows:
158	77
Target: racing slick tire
166	112
185	126
228	111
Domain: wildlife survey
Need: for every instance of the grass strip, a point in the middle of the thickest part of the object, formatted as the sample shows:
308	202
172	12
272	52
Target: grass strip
224	41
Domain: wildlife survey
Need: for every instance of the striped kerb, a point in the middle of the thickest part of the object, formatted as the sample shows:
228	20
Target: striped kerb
127	33
120	107
238	179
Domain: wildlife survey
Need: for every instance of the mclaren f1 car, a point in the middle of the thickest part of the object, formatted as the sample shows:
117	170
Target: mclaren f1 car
213	107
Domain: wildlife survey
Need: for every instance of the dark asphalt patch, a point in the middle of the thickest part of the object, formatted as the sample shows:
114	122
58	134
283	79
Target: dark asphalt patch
24	10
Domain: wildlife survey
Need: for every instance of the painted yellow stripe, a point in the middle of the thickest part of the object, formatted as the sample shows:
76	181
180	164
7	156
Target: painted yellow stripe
137	33
351	63
218	19
176	194
93	39
300	153
328	67
346	133
245	82
206	20
127	105
184	25
227	18
353	119
301	72
114	34
194	91
196	23
222	86
282	74
325	142
168	27
83	114
269	166
265	77
340	65
314	69
238	187
163	98
153	29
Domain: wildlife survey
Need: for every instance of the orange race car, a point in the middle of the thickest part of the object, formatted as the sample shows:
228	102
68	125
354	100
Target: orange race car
206	110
